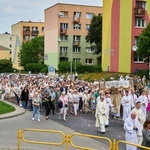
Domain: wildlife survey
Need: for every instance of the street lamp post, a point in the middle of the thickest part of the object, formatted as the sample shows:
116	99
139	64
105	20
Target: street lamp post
60	14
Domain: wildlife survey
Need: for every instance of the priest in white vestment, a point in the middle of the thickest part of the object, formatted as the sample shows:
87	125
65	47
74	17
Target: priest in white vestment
101	114
131	126
141	118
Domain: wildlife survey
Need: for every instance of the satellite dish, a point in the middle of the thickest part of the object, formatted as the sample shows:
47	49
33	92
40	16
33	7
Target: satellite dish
134	48
60	14
59	40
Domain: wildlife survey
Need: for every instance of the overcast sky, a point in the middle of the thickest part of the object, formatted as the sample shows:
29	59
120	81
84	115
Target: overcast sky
13	11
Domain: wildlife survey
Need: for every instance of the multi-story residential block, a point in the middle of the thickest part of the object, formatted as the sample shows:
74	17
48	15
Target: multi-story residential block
24	31
123	21
66	26
11	45
5	53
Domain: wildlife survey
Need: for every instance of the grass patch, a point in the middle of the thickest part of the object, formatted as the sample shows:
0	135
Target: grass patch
91	76
5	108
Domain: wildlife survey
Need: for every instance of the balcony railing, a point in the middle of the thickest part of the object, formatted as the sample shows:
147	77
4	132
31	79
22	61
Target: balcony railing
27	32
63	54
76	19
76	43
63	31
139	12
35	32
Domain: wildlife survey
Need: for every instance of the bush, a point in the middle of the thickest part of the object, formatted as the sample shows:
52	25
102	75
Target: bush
34	67
65	67
44	70
142	73
5	66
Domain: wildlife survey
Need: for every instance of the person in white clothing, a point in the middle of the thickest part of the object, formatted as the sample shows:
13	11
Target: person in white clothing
144	102
127	104
133	96
141	118
101	114
131	127
76	99
109	105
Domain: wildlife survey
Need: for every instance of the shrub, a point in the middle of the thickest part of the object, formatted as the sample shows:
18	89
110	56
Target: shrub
34	67
142	73
5	66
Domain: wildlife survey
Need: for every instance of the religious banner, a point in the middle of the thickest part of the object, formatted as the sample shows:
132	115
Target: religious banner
117	84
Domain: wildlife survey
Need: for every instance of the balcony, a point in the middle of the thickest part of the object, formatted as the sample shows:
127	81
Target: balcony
76	19
26	32
63	54
35	32
139	12
63	31
76	43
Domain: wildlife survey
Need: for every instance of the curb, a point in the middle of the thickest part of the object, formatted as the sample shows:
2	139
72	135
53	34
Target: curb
18	111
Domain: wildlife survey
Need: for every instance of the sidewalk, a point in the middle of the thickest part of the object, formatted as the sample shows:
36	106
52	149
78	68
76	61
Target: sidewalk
9	125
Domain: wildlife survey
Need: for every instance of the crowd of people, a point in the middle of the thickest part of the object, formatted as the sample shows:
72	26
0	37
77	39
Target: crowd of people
62	95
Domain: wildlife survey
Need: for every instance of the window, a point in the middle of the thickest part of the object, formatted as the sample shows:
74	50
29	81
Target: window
140	23
26	28
10	45
89	15
33	36
77	26
63	49
76	38
10	38
138	58
141	4
77	15
10	52
64	13
136	40
64	37
34	28
88	50
64	25
77	60
77	49
89	61
26	37
87	26
42	29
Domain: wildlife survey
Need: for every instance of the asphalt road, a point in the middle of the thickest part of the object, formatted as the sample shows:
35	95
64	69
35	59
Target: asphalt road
85	123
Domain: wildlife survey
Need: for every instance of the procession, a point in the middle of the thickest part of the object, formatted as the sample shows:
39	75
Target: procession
126	98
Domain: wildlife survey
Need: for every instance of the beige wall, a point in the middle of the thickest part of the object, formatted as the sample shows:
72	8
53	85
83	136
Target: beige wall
5	54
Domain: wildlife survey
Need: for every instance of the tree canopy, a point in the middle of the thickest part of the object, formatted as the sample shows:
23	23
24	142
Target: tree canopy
94	35
144	44
5	66
32	51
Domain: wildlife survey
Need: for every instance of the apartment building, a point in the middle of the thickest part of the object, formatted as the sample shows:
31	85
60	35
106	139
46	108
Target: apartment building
25	31
66	26
123	21
11	45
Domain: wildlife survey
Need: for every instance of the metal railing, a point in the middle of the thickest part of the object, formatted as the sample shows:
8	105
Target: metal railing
68	140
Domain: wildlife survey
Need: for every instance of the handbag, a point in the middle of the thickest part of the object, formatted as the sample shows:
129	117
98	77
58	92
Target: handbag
66	105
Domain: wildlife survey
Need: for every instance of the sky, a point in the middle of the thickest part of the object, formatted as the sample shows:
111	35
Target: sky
14	11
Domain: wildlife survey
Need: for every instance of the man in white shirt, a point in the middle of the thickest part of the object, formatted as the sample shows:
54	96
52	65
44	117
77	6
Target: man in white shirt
141	118
127	104
131	127
144	102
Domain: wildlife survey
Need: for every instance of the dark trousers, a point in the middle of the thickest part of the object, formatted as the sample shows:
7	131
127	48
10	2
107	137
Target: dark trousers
80	103
52	106
47	108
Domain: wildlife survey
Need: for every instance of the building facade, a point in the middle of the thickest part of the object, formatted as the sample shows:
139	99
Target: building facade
66	26
12	45
25	31
123	21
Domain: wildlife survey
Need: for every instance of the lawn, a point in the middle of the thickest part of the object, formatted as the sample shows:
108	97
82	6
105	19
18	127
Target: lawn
5	108
91	76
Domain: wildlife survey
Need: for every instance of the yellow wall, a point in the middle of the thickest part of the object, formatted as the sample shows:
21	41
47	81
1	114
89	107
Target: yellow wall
106	37
5	54
125	36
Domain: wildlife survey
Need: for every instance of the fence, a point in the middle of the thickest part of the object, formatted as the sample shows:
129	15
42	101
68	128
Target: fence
68	140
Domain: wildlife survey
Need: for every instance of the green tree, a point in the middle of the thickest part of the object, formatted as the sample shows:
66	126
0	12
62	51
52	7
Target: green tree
94	35
32	51
5	66
144	44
